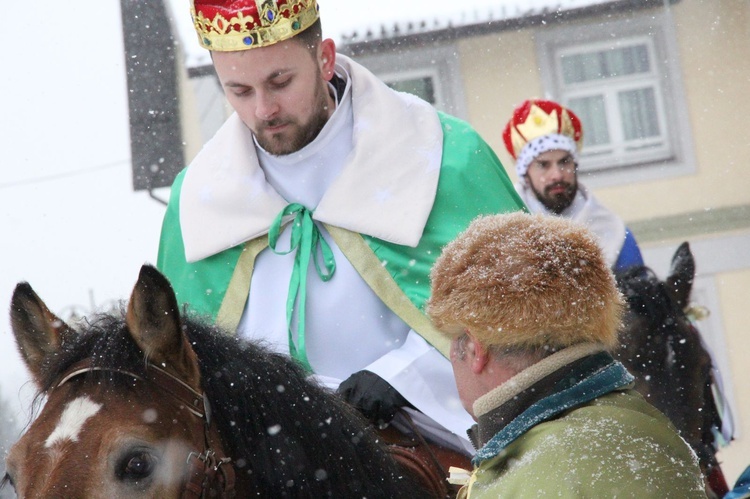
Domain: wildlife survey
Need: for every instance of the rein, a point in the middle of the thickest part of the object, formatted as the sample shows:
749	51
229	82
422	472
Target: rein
208	471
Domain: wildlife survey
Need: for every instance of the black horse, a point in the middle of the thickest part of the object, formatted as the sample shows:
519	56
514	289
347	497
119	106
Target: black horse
664	351
143	429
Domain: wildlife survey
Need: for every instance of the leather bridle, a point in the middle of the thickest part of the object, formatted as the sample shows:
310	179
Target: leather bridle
210	474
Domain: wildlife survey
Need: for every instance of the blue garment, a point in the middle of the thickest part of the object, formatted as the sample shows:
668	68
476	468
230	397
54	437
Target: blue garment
741	489
630	254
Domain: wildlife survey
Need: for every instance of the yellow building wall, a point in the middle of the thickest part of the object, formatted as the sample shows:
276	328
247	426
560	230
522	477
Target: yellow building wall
734	294
500	71
714	50
713	39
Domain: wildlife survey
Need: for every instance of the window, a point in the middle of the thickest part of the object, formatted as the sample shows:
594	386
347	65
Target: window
615	91
210	105
622	79
431	73
421	85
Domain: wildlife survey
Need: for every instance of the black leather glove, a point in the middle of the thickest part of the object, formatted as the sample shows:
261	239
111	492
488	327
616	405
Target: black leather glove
372	396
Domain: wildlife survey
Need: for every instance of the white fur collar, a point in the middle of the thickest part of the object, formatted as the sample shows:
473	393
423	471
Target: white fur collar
385	190
526	378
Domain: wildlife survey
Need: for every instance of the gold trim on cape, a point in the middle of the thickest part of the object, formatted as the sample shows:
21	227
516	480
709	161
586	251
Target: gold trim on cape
233	304
364	261
359	254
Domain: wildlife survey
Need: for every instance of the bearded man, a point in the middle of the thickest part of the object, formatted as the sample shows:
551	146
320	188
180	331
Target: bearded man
545	138
311	219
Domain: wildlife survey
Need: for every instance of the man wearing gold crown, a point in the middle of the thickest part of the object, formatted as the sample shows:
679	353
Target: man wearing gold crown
311	219
532	329
544	138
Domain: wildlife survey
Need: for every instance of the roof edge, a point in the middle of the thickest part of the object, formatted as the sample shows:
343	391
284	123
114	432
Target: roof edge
353	46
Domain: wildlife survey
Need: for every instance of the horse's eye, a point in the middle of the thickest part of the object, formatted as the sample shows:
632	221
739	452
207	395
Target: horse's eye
136	466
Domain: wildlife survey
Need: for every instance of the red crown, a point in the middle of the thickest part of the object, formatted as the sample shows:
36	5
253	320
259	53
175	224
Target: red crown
535	118
228	25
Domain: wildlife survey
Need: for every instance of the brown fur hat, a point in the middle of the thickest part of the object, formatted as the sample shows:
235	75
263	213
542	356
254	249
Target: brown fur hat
525	281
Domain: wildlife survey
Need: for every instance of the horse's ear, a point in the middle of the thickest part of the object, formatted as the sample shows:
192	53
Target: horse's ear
39	333
681	275
153	319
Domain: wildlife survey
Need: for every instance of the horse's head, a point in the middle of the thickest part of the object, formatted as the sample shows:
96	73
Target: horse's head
664	351
654	318
124	414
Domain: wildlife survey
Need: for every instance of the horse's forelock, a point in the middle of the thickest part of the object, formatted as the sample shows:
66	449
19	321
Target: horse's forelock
105	340
646	295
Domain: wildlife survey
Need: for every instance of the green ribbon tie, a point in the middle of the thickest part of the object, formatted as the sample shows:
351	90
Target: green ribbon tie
308	242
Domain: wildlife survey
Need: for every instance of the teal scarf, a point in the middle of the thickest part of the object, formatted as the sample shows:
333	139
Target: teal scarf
307	241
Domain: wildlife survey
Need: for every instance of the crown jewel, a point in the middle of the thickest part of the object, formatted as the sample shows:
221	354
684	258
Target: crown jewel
245	24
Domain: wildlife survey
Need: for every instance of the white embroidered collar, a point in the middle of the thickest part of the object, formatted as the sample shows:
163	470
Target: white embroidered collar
385	190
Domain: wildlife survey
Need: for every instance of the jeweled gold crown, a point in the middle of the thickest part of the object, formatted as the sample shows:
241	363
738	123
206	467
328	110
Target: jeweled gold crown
231	25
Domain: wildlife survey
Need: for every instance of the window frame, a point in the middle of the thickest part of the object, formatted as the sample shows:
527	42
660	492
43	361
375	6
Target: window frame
417	74
436	61
612	155
656	27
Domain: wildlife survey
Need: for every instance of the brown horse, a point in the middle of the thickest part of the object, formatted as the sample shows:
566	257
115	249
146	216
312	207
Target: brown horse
156	404
664	351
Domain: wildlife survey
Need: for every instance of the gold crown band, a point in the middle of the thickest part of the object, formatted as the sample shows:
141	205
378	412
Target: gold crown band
219	34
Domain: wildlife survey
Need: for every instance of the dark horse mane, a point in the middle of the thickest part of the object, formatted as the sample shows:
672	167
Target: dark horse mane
647	297
645	293
664	351
288	436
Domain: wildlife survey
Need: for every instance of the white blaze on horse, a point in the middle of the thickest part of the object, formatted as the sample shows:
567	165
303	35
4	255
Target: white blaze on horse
71	422
156	404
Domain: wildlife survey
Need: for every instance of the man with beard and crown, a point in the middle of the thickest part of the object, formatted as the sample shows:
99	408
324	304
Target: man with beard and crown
310	221
544	138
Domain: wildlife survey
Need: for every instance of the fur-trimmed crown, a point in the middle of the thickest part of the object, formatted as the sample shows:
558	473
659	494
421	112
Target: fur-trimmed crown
537	117
538	126
526	281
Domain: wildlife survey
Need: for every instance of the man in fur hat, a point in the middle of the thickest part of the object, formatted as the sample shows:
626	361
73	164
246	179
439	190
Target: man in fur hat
544	138
533	309
311	219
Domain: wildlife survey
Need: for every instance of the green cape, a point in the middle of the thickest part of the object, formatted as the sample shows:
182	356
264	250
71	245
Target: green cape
472	182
